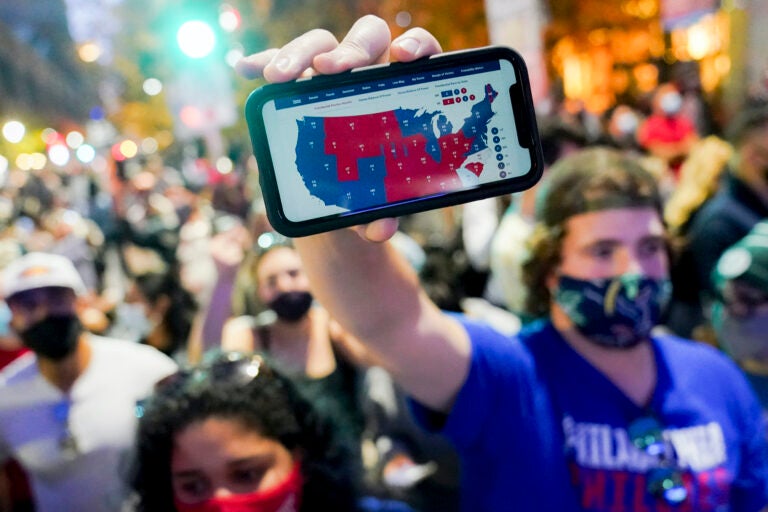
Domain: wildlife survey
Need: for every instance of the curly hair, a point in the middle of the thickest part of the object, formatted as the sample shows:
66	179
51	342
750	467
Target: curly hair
269	404
591	180
182	308
699	180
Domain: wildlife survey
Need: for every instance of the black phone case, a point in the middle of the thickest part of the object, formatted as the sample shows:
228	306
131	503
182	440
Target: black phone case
525	121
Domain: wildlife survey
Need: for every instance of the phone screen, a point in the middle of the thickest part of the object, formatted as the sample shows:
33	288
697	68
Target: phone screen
394	139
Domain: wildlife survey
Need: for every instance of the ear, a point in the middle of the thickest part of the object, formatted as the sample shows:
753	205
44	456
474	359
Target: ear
551	281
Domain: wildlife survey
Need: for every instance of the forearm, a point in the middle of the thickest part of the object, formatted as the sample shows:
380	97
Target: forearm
374	294
366	286
219	310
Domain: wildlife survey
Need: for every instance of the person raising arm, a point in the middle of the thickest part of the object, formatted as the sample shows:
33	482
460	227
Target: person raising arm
588	408
426	351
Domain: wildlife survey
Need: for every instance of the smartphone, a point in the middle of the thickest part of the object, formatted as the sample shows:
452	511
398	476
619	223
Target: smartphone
394	139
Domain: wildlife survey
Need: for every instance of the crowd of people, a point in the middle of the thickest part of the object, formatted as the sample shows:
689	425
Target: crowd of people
594	343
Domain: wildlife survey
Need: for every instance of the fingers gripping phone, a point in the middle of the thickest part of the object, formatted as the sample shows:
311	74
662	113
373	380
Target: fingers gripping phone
394	139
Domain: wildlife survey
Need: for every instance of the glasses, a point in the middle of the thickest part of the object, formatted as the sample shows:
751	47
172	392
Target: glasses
234	368
664	481
67	441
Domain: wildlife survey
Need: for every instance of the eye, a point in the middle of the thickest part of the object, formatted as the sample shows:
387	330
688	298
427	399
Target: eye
248	475
192	489
602	250
652	247
294	273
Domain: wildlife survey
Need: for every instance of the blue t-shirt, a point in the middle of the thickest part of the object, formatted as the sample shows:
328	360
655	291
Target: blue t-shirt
522	394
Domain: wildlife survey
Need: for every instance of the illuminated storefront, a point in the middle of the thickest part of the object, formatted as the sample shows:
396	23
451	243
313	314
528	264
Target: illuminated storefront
603	52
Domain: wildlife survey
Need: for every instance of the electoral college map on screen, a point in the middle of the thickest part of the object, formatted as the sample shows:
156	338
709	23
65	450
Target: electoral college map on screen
368	144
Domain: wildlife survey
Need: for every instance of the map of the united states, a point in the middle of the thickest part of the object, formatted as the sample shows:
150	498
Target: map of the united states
343	161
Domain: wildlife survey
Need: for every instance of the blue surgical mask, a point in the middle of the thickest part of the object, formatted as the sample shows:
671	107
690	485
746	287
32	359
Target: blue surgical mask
131	322
617	312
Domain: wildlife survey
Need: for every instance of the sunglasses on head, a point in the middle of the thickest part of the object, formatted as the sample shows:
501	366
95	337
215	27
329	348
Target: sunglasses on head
665	481
232	368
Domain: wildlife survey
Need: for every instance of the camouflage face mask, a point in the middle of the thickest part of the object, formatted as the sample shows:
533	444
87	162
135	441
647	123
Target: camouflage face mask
616	312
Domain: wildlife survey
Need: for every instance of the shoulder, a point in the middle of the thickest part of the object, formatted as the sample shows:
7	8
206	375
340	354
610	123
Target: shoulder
693	361
672	346
21	384
716	223
129	354
480	331
493	351
21	369
712	209
238	333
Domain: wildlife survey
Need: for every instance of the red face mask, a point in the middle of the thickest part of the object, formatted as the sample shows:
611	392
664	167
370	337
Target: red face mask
285	497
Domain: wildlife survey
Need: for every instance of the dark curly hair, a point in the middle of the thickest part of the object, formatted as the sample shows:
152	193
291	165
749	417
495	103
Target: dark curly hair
593	179
182	308
269	404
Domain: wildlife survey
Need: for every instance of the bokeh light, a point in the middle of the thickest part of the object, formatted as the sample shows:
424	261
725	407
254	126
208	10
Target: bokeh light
128	148
149	146
74	139
403	19
58	154
14	131
50	136
24	162
96	113
124	150
85	153
224	165
196	39
89	52
191	116
229	18
152	86
234	55
37	161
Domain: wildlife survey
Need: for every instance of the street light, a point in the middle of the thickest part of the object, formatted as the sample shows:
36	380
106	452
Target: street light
196	39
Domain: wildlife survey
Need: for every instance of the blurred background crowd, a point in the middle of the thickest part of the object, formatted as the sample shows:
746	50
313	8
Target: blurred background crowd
124	150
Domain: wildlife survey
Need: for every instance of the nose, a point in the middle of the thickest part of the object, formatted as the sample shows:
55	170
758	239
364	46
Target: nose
285	282
222	491
630	263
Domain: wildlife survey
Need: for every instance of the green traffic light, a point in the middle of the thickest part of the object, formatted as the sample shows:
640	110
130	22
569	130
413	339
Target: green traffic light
196	39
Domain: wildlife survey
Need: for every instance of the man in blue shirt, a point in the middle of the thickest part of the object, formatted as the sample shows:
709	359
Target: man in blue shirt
586	410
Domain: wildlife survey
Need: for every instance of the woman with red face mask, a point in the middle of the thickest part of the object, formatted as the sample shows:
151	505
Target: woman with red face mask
236	435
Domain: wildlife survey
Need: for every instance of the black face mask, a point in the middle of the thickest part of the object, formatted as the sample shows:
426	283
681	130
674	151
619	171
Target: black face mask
54	337
291	306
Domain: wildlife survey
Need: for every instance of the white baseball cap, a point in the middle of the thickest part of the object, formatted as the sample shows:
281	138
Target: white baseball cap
40	270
